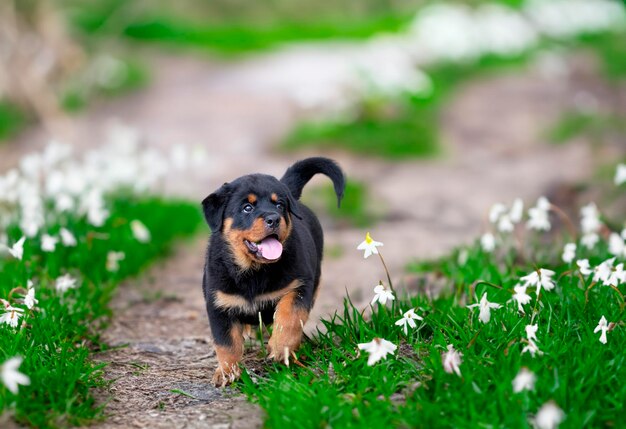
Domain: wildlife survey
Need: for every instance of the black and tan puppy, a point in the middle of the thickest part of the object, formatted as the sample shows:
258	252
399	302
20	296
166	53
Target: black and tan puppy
263	261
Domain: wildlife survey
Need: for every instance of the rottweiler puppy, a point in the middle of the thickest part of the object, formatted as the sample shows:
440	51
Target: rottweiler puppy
263	261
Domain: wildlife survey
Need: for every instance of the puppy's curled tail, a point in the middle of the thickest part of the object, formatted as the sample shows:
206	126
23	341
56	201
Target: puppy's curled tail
301	172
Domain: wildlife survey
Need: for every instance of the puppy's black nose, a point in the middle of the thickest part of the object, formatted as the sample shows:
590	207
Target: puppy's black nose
272	220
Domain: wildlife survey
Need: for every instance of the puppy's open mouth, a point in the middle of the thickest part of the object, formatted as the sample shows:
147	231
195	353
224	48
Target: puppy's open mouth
269	248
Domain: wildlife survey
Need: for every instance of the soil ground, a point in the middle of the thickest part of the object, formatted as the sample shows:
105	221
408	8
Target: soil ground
492	135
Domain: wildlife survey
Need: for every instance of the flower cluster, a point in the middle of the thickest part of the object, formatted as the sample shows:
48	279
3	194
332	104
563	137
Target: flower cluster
442	33
44	199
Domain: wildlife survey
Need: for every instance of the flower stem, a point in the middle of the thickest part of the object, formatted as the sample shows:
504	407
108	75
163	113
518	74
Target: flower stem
380	255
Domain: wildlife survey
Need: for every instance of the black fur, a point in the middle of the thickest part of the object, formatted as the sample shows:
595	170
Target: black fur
302	248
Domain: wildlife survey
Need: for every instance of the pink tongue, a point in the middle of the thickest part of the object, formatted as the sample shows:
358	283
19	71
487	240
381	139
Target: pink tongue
270	248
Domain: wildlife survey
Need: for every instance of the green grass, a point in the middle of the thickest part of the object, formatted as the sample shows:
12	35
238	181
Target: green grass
610	50
397	128
229	26
12	120
336	388
354	210
575	124
56	339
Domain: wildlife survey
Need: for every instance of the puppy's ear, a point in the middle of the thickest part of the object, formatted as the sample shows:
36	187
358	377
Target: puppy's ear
214	205
293	205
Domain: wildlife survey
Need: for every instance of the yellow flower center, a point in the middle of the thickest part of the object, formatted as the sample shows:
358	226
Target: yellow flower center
368	239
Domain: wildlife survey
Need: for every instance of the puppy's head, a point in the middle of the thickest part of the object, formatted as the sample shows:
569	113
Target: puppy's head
253	214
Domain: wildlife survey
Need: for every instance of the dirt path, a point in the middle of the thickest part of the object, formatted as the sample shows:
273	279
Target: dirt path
494	153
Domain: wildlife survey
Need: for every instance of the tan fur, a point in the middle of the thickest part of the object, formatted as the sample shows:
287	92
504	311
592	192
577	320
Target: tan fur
252	198
274	198
228	358
229	301
289	323
235	239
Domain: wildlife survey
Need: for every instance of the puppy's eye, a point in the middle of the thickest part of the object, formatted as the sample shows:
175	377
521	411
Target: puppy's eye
248	208
279	206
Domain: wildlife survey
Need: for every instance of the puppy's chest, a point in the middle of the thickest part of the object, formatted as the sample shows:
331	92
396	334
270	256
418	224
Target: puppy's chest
253	295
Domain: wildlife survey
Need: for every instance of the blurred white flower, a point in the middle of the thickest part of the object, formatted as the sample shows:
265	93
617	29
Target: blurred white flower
521	297
29	300
140	232
11	316
11	377
584	267
488	242
604	271
540	278
504	218
409	319
532	348
378	349
451	360
569	252
531	332
64	283
524	380
617	246
485	308
67	238
113	261
549	416
17	250
603	327
590	225
620	174
539	216
382	294
48	243
369	246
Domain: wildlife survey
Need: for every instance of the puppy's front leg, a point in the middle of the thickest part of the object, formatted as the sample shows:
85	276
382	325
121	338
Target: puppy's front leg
291	314
228	339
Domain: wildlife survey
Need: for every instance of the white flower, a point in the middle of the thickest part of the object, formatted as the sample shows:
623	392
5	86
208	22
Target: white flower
113	260
485	308
11	316
11	377
382	294
584	267
540	278
64	283
504	218
369	246
451	360
48	243
539	215
617	276
603	326
408	318
590	240
531	348
521	297
620	174
524	380
604	271
378	349
29	300
569	252
140	232
488	242
67	238
616	245
17	250
531	332
549	416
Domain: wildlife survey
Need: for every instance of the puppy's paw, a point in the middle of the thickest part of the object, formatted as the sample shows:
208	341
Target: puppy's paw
283	342
226	374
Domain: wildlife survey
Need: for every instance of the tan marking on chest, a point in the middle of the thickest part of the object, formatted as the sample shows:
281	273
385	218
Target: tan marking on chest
228	301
